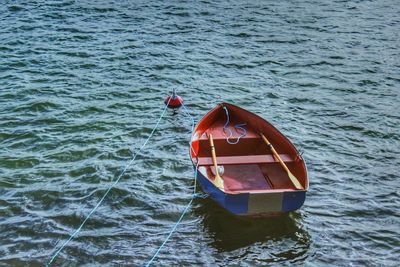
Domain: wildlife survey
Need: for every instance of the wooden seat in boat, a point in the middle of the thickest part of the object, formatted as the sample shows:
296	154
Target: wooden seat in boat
241	160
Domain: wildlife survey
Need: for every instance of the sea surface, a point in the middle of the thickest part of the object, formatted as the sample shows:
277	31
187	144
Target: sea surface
82	84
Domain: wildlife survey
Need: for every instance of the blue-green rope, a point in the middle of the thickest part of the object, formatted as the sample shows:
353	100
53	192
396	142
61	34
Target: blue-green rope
179	220
57	252
194	195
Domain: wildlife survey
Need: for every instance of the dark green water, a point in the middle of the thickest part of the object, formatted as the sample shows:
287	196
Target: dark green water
82	84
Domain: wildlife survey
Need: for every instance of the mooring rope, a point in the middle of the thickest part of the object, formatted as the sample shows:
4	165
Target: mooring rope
57	252
194	195
177	222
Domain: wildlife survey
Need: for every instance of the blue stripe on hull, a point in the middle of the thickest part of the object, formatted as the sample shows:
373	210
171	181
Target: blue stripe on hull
293	200
211	189
238	204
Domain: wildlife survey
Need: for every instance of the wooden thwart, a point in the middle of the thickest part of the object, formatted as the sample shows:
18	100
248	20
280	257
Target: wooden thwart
248	159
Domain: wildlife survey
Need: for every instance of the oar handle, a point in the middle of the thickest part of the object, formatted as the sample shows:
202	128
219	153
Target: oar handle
293	178
218	180
213	154
276	155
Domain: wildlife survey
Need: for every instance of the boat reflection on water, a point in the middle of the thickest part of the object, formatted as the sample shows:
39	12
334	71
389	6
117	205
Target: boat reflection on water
273	239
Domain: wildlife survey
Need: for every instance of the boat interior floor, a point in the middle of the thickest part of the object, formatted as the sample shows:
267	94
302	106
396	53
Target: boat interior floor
252	177
248	165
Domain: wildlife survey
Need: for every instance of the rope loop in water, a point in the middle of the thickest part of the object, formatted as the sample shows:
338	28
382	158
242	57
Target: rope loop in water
199	195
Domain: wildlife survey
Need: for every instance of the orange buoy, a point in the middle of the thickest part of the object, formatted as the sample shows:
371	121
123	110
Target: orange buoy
173	101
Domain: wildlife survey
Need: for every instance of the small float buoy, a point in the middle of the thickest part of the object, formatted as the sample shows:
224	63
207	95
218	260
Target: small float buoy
173	101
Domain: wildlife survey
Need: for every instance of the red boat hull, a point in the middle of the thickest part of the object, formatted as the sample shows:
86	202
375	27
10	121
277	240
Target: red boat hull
254	182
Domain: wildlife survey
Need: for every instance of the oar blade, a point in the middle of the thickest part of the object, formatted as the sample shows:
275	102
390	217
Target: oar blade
293	178
219	182
295	181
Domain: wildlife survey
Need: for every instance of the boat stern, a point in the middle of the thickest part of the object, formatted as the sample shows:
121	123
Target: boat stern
254	203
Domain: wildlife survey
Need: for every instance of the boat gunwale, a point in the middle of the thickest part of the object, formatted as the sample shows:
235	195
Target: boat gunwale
266	191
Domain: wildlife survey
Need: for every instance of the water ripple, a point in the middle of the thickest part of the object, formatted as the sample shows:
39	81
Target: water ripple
81	84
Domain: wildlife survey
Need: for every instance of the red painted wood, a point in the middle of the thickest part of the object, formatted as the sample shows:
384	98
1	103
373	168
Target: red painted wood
239	160
250	150
278	178
244	178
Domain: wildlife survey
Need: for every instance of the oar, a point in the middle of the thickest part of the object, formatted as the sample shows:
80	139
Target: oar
291	176
217	180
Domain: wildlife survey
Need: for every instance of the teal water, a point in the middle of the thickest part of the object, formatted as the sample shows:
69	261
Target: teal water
82	84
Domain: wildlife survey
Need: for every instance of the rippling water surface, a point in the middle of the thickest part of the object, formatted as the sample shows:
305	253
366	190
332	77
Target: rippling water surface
82	84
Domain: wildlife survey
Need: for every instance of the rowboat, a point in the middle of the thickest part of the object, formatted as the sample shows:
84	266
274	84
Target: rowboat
246	165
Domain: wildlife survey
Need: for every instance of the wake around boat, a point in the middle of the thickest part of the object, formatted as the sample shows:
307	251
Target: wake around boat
246	165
